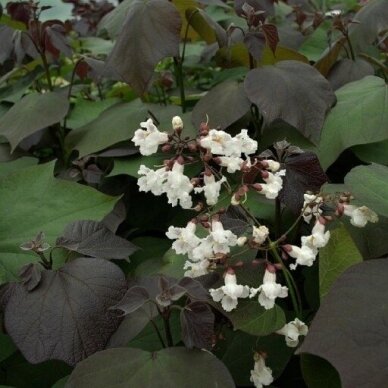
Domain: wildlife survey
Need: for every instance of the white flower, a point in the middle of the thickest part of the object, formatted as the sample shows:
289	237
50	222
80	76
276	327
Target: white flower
177	123
311	206
232	163
216	141
246	145
269	290
359	216
241	241
185	238
196	269
152	180
292	330
229	293
222	239
150	138
272	165
211	188
304	255
273	185
203	251
318	238
178	186
260	234
261	374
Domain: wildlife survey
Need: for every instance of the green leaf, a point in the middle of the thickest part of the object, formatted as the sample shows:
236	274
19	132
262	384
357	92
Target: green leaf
318	373
158	24
15	165
369	186
360	117
26	116
254	319
170	367
292	91
281	54
7	347
223	105
350	327
373	152
316	43
85	111
112	126
339	254
33	201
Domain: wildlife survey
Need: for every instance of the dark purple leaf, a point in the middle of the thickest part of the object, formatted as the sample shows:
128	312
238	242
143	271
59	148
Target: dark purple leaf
303	173
258	5
94	239
31	275
197	321
255	42
158	24
56	41
168	293
67	317
20	11
113	219
350	329
347	70
170	367
224	104
194	289
294	92
133	299
271	35
235	220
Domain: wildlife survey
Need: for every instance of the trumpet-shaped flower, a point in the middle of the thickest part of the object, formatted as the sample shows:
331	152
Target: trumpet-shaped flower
196	269
185	238
232	163
218	142
272	165
211	188
359	216
260	234
152	180
149	138
318	238
245	145
261	374
222	239
304	255
311	206
269	290
274	183
229	293
292	330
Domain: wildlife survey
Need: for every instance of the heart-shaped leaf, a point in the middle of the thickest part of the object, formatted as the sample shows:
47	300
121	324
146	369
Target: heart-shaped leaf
136	368
224	104
292	91
339	254
347	70
34	201
66	317
369	185
159	25
92	238
197	321
360	117
25	117
351	326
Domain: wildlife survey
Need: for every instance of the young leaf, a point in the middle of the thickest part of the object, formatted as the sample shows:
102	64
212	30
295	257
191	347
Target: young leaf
158	24
291	91
355	304
360	117
92	238
197	321
25	117
66	317
224	104
134	299
40	203
135	368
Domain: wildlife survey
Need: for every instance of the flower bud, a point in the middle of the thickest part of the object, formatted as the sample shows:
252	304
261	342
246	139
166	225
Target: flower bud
203	129
241	241
166	148
264	174
257	186
192	147
177	124
236	198
198	207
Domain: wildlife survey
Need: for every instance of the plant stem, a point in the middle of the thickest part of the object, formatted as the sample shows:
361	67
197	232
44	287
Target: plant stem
350	47
179	80
167	328
158	332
